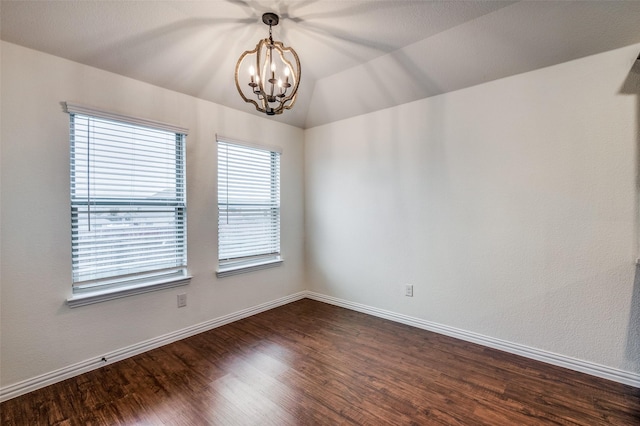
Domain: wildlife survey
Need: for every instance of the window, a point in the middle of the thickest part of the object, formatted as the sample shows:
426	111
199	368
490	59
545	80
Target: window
248	207
128	207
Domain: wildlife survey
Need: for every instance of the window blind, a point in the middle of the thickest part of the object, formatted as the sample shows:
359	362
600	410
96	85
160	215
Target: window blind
248	203
128	206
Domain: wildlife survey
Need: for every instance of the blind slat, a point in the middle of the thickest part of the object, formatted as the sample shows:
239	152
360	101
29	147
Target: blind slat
128	209
248	202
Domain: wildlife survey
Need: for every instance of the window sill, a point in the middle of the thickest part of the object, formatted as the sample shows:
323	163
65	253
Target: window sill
126	290
226	271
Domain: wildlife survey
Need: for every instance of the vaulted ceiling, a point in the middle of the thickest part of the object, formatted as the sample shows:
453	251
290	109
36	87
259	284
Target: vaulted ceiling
357	56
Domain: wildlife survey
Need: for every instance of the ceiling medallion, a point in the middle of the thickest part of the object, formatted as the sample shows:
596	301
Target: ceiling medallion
271	73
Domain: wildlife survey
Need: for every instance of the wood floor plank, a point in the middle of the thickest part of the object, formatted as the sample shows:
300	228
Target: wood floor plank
309	363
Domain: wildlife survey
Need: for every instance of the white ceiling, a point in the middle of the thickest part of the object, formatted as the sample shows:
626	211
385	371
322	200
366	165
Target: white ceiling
357	56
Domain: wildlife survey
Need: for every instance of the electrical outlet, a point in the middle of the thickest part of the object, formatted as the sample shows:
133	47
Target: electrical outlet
182	300
408	290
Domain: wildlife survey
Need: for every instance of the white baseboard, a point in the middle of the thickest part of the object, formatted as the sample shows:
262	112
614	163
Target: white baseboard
620	376
76	369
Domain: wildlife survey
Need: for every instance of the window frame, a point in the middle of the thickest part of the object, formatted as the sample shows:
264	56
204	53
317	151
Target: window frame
89	291
242	264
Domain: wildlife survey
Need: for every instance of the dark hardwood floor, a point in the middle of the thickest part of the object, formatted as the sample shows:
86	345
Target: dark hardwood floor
310	363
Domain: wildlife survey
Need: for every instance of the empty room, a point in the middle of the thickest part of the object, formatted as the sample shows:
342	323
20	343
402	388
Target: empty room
319	212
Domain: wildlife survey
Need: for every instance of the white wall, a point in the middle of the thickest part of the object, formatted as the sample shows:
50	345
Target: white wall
39	332
510	206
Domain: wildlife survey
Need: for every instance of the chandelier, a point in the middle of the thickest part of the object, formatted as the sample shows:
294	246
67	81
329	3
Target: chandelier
271	73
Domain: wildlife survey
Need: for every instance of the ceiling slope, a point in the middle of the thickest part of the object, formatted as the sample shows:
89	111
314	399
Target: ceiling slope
357	56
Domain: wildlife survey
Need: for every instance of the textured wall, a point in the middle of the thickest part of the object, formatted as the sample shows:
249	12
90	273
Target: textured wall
510	206
39	332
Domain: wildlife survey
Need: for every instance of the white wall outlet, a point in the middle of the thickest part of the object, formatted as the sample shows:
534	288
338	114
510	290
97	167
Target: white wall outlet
408	290
182	300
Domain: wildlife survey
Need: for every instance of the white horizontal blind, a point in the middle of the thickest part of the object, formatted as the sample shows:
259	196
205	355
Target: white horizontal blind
248	203
128	207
